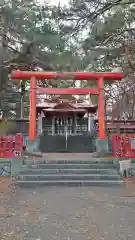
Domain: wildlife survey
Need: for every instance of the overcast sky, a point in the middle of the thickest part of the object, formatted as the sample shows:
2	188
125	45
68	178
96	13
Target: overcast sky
55	2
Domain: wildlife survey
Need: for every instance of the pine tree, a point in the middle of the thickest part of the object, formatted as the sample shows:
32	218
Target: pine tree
30	39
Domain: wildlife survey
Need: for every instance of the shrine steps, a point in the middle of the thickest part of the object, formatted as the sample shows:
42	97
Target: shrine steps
49	171
86	173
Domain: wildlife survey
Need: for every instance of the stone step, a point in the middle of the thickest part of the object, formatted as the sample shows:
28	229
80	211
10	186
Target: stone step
93	172
63	177
41	171
97	183
91	161
70	166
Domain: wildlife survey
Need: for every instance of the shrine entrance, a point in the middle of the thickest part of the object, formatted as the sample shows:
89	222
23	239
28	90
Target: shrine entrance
67	141
65	128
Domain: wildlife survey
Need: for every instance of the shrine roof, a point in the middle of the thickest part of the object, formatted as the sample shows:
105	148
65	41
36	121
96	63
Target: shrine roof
65	110
85	105
65	105
46	105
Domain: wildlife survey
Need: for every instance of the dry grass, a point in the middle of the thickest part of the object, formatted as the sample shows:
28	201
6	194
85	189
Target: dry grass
6	192
130	186
5	184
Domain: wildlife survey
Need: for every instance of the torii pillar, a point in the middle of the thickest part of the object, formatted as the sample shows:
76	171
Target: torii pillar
101	110
99	76
32	113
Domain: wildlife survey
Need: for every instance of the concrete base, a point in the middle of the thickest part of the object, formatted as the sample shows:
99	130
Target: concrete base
102	147
32	146
16	164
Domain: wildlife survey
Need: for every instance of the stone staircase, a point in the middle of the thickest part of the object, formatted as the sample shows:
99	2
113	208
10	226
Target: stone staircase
69	172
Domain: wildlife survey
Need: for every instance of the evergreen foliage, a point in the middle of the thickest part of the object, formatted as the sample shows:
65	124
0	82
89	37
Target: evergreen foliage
87	35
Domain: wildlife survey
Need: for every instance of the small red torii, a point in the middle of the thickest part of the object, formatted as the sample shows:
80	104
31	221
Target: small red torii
99	76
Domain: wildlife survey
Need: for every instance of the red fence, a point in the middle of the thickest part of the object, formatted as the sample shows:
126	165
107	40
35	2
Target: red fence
11	146
122	146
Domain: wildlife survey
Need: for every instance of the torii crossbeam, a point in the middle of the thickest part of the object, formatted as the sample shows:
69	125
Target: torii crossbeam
67	91
99	76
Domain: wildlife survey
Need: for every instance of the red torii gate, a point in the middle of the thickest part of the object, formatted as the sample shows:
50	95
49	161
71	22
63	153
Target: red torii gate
99	76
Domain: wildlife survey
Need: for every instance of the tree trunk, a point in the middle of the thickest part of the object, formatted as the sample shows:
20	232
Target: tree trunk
3	48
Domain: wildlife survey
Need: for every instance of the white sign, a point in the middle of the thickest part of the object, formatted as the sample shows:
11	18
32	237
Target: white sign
18	153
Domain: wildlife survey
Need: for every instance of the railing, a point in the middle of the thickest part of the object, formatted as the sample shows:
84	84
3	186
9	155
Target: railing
122	146
123	149
121	121
11	146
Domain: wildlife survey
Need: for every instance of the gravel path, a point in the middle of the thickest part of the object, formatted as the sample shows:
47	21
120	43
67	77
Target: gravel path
67	213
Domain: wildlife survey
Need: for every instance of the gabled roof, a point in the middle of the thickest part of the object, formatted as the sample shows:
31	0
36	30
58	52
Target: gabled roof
64	105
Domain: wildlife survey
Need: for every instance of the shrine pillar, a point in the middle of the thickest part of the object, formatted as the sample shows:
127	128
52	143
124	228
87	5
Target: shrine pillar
101	110
89	122
102	141
33	141
91	128
53	125
32	114
40	124
74	123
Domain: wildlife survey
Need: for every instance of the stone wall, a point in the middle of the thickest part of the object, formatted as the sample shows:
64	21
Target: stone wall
5	167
